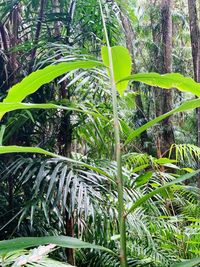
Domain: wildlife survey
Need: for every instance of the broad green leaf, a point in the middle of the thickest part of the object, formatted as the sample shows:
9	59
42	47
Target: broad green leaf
187	263
146	197
167	81
35	80
121	64
143	178
7	107
62	241
192	104
20	149
34	150
164	160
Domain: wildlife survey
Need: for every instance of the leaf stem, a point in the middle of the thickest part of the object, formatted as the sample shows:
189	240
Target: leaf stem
121	210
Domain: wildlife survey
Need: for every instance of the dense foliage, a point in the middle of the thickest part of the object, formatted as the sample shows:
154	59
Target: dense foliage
99	143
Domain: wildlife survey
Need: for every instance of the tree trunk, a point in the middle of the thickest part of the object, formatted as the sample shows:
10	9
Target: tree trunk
195	43
130	37
65	146
9	27
57	24
14	41
163	60
65	133
37	33
69	19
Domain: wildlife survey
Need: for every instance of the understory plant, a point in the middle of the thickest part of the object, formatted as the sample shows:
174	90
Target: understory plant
138	193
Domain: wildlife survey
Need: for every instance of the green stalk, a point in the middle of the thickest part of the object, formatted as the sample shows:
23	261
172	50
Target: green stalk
121	210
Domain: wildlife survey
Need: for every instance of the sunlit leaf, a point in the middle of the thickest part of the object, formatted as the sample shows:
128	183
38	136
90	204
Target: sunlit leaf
167	81
7	107
121	64
35	80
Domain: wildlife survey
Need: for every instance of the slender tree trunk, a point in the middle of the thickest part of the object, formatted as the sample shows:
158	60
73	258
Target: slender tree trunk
56	7
69	19
4	38
195	43
13	31
65	132
4	84
130	37
9	39
164	98
37	33
65	147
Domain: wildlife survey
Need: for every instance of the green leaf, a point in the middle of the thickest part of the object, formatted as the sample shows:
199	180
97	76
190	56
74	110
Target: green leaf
20	149
188	169
35	80
6	107
121	64
143	178
146	197
167	81
187	263
35	150
38	150
140	168
62	241
192	104
164	160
